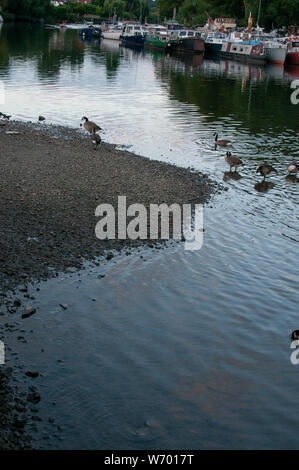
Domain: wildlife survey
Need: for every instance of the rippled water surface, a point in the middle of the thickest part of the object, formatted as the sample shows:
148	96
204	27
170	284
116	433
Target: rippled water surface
171	349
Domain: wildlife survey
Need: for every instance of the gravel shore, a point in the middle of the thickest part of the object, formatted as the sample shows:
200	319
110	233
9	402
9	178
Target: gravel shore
51	182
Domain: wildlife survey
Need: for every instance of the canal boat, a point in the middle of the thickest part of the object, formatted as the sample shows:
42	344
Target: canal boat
247	51
157	41
188	41
292	50
134	34
213	42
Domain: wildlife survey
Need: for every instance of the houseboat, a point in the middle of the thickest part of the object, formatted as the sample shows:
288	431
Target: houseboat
247	51
187	41
213	42
134	34
157	41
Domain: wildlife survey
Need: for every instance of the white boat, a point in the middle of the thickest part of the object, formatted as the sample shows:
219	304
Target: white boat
112	34
275	52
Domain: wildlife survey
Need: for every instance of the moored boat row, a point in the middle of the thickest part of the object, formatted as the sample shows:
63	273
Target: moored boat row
249	46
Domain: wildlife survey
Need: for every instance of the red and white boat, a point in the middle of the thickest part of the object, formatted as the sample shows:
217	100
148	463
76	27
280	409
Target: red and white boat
292	50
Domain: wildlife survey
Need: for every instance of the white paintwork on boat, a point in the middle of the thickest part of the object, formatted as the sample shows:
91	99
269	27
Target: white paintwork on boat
112	35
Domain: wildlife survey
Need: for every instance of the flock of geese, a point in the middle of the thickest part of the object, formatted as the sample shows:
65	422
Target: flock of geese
234	162
264	169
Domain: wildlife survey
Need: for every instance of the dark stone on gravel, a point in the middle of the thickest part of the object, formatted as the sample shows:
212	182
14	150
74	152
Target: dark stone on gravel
33	398
28	311
31	374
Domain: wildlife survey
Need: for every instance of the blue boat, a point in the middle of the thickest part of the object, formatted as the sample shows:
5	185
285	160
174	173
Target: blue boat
134	34
90	33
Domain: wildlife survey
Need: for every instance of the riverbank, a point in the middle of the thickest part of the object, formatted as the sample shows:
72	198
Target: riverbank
51	181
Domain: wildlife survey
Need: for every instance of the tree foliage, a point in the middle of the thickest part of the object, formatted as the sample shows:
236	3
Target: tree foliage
275	13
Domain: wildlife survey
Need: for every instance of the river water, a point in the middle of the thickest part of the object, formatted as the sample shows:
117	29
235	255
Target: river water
170	349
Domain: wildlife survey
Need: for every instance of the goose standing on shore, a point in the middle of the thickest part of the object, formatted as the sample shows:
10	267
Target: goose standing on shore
90	126
265	169
233	162
292	167
222	142
96	140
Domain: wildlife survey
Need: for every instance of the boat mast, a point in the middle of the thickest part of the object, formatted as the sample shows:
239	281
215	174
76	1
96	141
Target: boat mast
259	13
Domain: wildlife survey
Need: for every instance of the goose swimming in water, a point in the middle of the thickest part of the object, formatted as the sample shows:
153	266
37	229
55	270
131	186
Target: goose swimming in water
90	126
222	142
265	169
233	162
292	167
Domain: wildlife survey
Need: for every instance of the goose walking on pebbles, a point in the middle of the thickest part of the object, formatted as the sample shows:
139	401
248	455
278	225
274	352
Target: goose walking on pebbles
233	162
96	140
265	169
90	126
292	167
222	142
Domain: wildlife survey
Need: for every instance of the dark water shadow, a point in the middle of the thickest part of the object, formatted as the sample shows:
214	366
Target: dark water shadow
231	175
264	186
291	179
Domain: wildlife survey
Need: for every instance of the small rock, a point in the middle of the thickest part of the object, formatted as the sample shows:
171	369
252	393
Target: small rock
28	311
41	118
31	374
34	397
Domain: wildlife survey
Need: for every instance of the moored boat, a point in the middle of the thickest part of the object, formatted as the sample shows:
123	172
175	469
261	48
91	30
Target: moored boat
292	50
275	52
134	34
247	51
213	43
188	41
112	33
158	41
90	33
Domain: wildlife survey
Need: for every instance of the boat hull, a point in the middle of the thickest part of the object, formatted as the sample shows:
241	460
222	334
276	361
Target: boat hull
155	42
276	55
212	48
292	58
137	40
245	52
189	45
115	35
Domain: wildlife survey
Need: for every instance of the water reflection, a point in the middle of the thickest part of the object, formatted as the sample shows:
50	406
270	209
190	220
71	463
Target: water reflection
232	175
264	186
